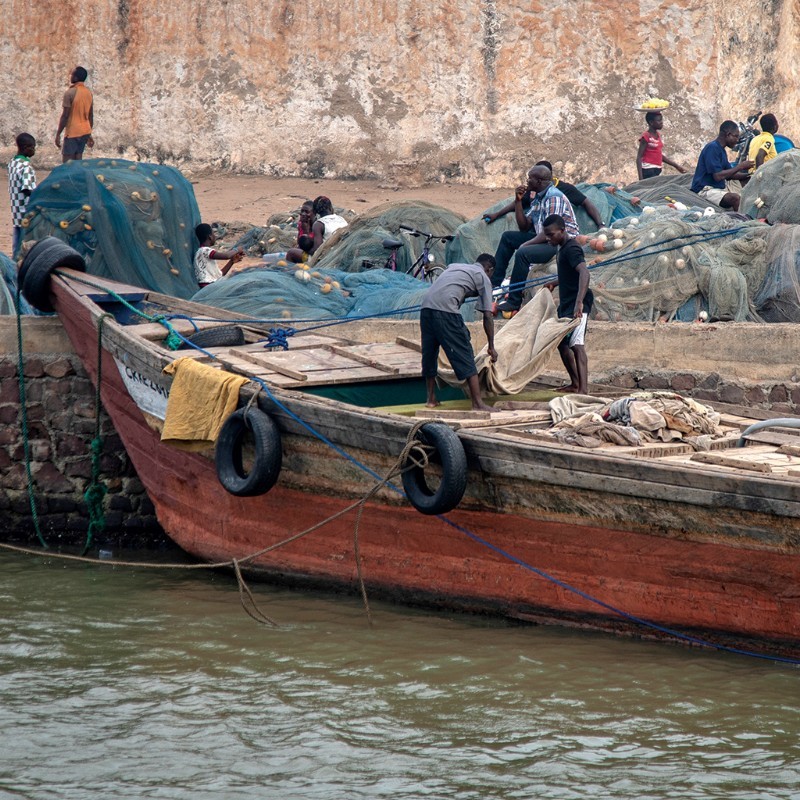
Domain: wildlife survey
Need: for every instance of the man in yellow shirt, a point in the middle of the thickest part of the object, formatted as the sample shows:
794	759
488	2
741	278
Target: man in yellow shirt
762	148
77	118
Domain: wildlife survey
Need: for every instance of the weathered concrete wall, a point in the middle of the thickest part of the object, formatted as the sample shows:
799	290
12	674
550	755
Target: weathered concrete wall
465	90
61	425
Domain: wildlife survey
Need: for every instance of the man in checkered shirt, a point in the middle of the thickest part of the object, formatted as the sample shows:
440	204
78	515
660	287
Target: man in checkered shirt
545	200
21	182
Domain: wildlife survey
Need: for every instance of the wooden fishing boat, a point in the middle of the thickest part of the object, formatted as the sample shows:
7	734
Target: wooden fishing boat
655	540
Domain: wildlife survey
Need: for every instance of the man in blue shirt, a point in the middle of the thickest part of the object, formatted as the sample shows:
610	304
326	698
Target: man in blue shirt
714	169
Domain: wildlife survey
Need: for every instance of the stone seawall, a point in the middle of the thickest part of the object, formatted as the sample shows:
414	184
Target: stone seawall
61	425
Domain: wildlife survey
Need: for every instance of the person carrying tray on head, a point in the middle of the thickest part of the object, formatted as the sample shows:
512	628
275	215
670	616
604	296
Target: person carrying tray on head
714	169
441	325
650	159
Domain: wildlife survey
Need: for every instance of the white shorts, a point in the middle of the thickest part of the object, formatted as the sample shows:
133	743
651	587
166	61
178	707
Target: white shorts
714	195
578	336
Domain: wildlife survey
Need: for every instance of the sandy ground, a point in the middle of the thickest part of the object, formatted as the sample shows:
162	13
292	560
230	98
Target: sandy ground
249	198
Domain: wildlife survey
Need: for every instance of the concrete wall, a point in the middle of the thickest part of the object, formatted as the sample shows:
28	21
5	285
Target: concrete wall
464	90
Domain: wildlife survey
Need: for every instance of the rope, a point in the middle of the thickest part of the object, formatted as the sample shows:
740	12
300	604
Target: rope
96	491
246	596
278	338
25	432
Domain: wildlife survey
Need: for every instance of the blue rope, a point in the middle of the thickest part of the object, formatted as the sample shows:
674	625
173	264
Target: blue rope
278	338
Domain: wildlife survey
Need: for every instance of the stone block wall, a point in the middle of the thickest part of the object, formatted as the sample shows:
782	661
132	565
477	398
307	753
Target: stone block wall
778	397
61	425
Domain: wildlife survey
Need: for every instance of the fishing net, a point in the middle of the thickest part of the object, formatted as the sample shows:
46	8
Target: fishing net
8	289
670	264
668	188
475	236
285	293
362	241
773	192
132	222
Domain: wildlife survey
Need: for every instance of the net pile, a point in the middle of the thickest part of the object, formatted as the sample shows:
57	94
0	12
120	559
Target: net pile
362	240
8	289
668	188
286	293
671	264
773	192
133	222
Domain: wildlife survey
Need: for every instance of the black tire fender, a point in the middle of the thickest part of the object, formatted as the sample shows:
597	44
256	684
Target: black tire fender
221	336
46	256
229	453
447	451
38	248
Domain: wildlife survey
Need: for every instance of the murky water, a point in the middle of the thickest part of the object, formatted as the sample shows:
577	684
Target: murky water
117	683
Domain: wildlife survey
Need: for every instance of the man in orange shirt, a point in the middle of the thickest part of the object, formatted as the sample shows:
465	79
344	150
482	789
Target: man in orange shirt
77	118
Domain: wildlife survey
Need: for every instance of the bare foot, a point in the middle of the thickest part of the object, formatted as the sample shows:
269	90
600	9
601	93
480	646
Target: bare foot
482	407
433	404
568	389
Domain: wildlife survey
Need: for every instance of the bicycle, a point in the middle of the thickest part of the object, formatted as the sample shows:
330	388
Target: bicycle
424	267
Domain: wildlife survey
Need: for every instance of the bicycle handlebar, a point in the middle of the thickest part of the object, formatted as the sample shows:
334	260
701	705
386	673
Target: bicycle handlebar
429	236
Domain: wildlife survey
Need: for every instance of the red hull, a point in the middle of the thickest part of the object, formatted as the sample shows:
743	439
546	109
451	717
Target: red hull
705	589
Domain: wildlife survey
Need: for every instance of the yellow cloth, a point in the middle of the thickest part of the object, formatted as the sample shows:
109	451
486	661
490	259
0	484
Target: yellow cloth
765	142
200	400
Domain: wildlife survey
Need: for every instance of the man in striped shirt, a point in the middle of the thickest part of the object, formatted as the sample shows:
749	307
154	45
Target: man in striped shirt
545	200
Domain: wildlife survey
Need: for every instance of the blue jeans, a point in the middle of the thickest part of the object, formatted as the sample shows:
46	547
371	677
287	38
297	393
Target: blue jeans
509	242
16	241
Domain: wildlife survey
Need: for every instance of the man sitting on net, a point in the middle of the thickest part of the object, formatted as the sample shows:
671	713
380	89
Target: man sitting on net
529	242
575	196
714	169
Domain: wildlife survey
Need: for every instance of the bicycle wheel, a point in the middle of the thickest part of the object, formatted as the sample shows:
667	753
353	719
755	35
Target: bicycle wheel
432	273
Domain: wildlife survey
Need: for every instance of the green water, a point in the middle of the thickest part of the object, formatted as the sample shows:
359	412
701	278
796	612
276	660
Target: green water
118	683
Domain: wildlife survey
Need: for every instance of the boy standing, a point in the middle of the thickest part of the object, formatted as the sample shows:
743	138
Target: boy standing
21	182
205	270
77	117
762	148
575	300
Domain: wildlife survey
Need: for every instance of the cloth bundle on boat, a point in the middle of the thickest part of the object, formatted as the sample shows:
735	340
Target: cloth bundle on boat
638	418
133	222
200	400
292	293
